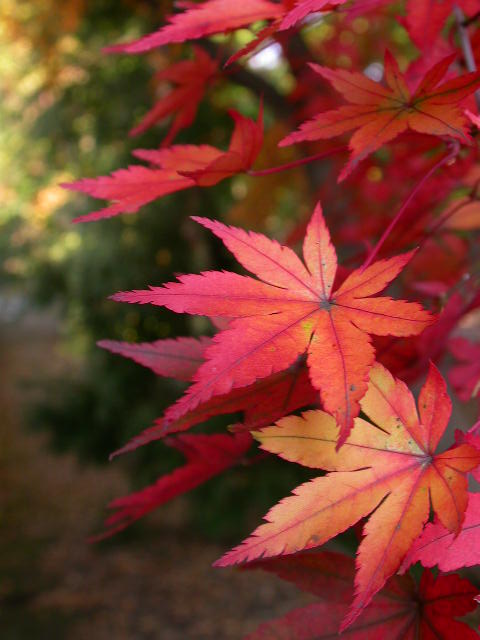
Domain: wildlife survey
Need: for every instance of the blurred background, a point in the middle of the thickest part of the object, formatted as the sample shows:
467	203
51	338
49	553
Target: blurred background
65	404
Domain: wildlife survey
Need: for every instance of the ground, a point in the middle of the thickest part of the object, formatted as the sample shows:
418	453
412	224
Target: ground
55	586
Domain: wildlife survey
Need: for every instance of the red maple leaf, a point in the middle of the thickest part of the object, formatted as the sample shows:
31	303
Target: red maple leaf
262	403
401	610
180	167
360	7
295	309
204	19
303	8
132	188
425	19
465	376
177	359
438	546
380	113
387	466
472	437
409	358
245	145
192	78
222	16
206	456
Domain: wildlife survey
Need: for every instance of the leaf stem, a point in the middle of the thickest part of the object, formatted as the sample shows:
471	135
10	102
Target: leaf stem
297	163
455	148
466	45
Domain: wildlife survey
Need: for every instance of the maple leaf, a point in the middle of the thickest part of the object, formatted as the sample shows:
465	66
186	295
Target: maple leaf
437	546
204	19
262	403
380	113
206	456
409	358
465	376
291	17
401	610
292	310
425	19
472	436
387	468
303	8
129	189
364	6
180	167
177	359
326	574
263	35
439	265
462	214
192	78
245	145
222	16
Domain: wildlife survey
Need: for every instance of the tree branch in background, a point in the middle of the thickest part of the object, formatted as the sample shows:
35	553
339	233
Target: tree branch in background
466	46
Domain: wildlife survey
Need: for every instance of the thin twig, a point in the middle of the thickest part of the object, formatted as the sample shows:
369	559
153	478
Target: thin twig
455	148
466	46
297	163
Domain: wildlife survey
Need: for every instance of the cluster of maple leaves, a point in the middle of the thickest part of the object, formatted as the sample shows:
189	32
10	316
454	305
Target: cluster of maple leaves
306	350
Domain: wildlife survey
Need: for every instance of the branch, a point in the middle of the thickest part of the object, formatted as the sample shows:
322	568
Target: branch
261	87
252	81
466	46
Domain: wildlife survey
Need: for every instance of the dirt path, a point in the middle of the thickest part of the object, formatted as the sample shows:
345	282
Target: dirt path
54	586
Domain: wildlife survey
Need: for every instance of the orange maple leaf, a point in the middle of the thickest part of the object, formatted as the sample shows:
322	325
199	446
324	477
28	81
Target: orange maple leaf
380	113
387	466
296	309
